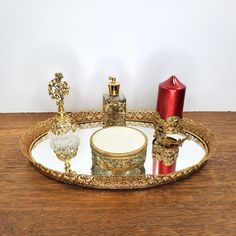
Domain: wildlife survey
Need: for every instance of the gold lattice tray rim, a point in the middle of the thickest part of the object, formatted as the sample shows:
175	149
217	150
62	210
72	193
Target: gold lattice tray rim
118	182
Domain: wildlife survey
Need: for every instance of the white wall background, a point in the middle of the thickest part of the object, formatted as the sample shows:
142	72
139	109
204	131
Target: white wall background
142	42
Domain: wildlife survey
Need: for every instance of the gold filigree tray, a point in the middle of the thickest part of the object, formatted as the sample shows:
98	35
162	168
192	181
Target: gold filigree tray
193	154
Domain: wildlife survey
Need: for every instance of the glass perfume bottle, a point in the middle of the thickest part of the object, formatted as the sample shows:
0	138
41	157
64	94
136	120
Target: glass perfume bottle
114	105
63	133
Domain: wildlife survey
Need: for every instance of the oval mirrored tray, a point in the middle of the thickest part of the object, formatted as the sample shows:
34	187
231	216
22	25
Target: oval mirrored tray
193	154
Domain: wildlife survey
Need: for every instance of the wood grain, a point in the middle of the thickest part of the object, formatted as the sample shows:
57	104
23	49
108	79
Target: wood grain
32	204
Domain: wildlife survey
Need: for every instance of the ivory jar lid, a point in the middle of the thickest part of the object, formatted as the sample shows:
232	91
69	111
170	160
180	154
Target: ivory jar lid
118	142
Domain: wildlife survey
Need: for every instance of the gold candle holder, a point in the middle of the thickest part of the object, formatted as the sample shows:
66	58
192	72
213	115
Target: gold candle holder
166	148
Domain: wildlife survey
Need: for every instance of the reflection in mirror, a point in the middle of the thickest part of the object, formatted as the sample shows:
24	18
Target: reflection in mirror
166	155
190	153
65	147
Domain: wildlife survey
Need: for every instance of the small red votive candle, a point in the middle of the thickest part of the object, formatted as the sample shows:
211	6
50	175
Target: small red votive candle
170	102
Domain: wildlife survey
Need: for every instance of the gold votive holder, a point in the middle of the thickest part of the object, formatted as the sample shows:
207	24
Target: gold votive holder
118	150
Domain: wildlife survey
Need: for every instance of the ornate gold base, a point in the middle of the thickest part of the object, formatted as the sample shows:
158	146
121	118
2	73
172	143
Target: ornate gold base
96	170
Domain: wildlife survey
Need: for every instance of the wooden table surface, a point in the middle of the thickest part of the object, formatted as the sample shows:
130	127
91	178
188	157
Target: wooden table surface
203	204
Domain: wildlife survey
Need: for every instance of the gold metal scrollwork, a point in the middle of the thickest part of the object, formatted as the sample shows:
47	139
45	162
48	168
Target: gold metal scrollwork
63	126
63	122
58	89
198	132
165	148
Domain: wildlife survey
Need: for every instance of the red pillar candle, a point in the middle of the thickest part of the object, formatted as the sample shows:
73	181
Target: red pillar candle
170	102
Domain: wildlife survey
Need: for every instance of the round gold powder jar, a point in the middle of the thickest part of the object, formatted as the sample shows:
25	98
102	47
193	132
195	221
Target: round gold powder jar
118	150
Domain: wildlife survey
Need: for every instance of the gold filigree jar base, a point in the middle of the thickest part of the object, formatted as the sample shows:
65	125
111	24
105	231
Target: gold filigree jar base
91	119
96	170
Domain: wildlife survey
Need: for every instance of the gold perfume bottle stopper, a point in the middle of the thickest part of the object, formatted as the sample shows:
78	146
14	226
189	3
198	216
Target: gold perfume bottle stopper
57	90
113	86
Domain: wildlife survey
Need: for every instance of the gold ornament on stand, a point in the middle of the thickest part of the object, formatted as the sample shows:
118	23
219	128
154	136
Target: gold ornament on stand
63	133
